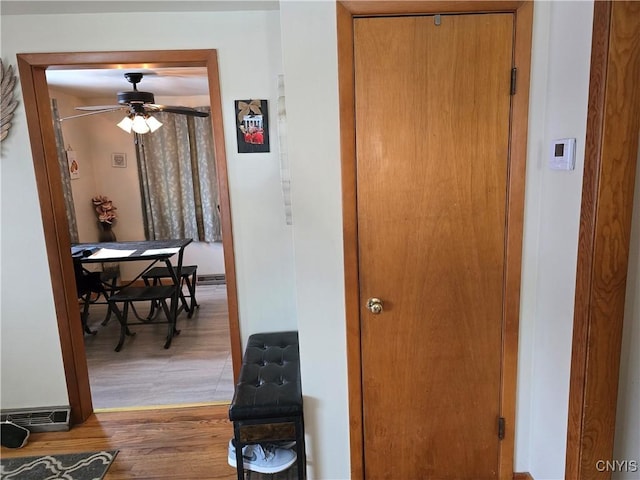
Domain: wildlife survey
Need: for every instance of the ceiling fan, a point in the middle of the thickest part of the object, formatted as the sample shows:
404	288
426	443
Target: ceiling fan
140	105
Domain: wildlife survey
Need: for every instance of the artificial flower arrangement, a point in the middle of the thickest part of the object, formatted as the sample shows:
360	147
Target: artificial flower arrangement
105	210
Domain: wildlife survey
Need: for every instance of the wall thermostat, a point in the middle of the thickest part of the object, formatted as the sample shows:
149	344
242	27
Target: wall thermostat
563	154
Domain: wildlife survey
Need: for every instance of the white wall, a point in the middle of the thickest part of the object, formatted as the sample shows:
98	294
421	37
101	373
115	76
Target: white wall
311	82
32	373
560	83
627	440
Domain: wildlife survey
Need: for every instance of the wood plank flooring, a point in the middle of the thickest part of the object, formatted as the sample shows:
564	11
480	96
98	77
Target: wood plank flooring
196	368
188	443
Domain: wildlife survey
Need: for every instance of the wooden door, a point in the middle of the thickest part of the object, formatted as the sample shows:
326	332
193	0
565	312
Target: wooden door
432	115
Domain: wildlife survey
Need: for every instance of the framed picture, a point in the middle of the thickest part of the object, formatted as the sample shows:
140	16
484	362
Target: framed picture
252	126
74	166
119	160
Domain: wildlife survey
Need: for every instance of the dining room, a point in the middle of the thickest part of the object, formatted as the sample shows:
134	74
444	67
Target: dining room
102	168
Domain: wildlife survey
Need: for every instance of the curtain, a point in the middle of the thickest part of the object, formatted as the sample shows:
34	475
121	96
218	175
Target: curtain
64	174
178	179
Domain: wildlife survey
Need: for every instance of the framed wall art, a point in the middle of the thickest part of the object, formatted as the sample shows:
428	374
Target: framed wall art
119	160
252	126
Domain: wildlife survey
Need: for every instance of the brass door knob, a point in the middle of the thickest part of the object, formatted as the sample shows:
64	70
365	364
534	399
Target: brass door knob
374	305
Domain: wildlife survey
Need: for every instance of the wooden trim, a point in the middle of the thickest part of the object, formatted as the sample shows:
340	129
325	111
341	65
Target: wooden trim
32	67
593	143
215	97
419	7
56	234
135	59
346	11
515	229
613	122
346	82
522	476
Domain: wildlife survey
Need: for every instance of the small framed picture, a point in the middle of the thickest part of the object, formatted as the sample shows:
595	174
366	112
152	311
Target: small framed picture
74	166
252	126
119	160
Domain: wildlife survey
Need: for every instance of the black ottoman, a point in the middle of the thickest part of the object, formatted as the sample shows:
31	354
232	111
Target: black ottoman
267	402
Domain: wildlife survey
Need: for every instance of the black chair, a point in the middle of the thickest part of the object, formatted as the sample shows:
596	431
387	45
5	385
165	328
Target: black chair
102	284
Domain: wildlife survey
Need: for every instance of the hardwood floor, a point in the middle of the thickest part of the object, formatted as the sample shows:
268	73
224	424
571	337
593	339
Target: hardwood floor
179	444
189	443
196	368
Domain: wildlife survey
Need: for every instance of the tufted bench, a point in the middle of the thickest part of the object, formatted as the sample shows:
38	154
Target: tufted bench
267	402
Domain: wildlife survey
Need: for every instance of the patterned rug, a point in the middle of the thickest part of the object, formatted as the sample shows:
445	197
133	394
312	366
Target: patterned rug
72	466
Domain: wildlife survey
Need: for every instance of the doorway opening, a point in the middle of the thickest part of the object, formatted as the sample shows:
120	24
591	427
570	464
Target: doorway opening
33	69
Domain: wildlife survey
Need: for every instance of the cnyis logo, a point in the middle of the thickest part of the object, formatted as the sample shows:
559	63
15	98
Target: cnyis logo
628	466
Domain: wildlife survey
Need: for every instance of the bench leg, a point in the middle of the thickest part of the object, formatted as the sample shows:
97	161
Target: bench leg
300	449
105	293
122	319
84	315
172	330
239	445
239	463
191	287
108	314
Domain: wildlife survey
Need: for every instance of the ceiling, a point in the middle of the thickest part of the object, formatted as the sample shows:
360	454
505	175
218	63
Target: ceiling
47	7
91	83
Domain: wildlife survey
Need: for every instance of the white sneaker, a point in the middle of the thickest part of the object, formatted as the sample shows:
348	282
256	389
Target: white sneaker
263	459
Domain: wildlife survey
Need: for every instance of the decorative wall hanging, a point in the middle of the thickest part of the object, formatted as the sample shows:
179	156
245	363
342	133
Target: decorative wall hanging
74	167
252	126
7	103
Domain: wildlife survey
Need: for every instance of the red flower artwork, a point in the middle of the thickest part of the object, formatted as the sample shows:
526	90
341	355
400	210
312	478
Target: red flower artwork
253	135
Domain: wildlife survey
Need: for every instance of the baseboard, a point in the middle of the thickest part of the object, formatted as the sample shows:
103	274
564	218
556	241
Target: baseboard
212	279
44	419
522	476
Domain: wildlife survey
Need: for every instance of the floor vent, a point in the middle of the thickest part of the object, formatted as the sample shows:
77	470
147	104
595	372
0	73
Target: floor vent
213	279
39	420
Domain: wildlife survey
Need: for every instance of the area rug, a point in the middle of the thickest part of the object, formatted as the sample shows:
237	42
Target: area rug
71	466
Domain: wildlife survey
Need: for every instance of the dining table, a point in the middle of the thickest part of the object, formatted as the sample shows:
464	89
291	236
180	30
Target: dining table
149	251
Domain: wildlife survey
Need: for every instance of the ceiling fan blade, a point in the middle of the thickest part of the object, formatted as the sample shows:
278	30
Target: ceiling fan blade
181	110
106	108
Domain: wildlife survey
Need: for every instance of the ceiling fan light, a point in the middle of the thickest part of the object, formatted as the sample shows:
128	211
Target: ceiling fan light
153	123
125	124
139	125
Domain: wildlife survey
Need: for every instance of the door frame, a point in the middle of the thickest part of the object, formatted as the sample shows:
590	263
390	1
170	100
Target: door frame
346	11
35	91
611	153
